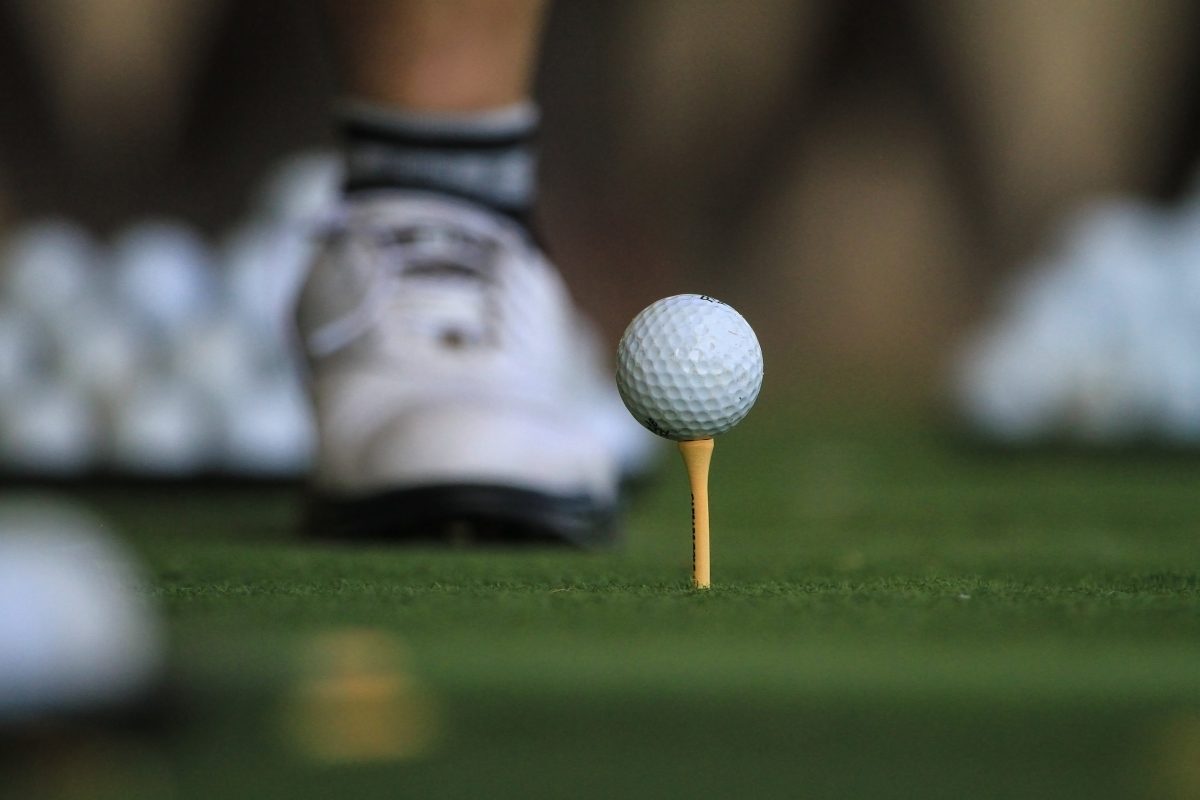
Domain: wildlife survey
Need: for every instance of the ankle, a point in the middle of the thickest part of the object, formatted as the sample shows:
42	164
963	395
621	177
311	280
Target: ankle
485	157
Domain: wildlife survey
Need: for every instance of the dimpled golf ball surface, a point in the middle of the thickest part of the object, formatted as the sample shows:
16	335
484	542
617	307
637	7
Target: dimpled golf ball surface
689	367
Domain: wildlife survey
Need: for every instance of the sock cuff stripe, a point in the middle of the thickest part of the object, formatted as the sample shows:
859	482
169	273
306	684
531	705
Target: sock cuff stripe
502	178
365	183
507	126
487	157
516	117
520	213
362	130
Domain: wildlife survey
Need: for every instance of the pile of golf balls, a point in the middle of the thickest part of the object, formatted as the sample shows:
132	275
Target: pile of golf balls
159	352
1098	341
689	367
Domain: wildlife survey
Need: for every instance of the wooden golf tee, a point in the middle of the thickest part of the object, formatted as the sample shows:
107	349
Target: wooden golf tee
696	457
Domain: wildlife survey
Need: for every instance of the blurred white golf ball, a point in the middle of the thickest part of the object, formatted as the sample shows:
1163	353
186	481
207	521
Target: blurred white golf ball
165	426
24	348
1172	369
1098	342
263	266
49	265
102	351
1009	389
219	355
75	636
49	429
269	429
164	271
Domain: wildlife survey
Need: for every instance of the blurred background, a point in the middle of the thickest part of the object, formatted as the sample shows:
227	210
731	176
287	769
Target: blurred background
862	178
921	205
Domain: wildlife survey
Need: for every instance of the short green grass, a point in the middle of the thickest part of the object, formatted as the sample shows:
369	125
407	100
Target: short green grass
893	615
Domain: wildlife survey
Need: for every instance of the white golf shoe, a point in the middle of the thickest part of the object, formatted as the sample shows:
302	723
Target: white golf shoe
456	392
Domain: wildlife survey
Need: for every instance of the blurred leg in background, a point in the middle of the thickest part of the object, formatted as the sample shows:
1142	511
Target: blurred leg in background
438	97
1067	100
455	56
903	155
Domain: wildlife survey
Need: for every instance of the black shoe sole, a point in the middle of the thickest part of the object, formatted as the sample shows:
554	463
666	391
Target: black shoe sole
464	515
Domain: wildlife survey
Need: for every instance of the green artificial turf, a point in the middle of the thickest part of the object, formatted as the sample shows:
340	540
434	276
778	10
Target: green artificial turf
893	615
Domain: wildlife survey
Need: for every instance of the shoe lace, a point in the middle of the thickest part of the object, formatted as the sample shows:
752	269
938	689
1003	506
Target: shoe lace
432	280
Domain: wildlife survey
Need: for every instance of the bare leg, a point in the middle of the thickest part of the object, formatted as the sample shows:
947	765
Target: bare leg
1059	93
437	55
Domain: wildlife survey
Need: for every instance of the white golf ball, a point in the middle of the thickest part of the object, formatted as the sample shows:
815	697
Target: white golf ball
101	350
166	426
49	265
164	271
689	367
24	347
264	265
49	429
219	355
269	429
75	632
